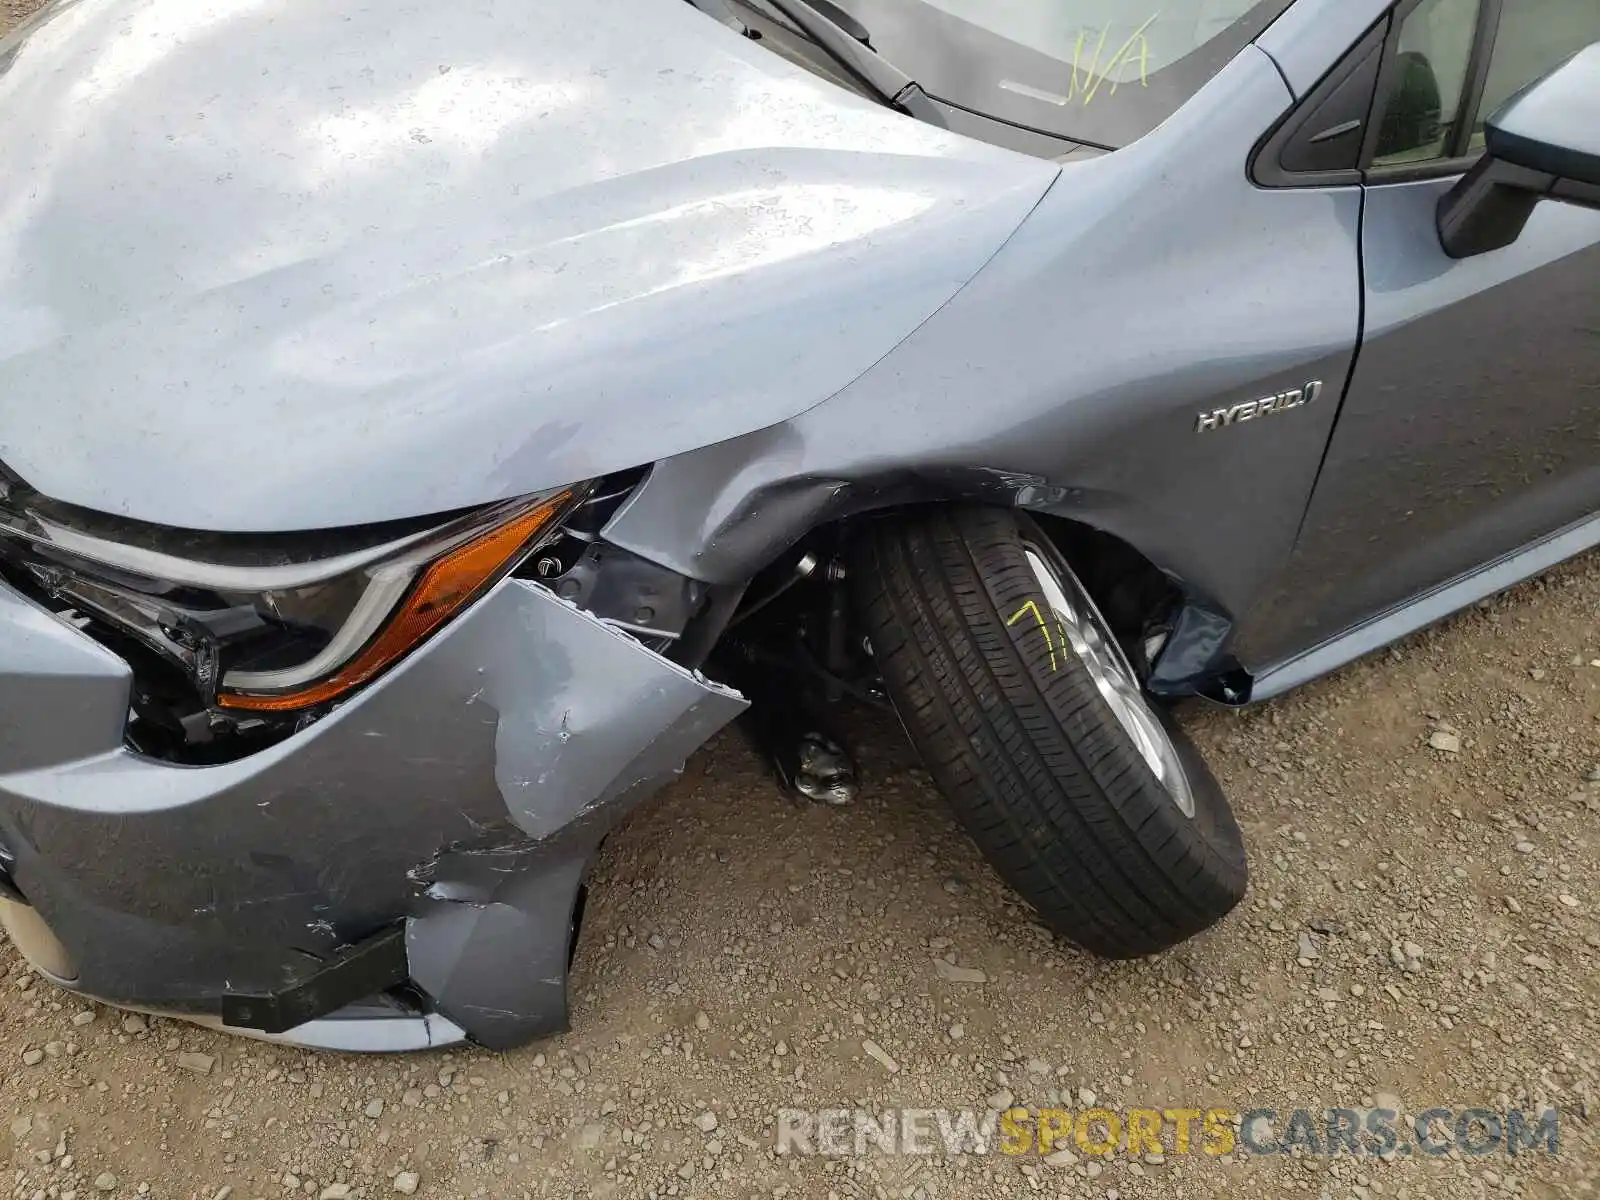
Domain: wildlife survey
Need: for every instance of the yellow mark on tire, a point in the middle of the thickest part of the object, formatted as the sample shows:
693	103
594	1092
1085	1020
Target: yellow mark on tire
1031	608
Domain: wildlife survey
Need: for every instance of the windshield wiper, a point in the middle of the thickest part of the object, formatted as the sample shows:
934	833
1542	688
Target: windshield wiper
857	56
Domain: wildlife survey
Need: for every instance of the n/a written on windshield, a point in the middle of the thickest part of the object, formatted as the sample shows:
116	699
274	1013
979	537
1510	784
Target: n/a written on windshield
1093	69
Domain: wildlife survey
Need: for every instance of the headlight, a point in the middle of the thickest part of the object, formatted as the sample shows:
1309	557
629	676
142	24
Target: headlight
373	621
265	629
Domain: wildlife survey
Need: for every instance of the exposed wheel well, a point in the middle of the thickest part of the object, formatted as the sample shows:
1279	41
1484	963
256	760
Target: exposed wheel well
791	595
1137	598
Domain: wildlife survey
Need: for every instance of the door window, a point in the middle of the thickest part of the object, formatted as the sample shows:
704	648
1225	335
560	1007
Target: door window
1429	82
1535	37
1437	88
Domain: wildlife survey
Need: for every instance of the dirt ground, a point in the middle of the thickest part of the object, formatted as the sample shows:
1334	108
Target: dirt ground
1422	930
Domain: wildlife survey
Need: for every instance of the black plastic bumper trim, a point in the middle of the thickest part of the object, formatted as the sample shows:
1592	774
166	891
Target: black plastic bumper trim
364	970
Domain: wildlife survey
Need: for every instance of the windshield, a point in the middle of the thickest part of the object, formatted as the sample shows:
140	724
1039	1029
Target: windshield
1100	71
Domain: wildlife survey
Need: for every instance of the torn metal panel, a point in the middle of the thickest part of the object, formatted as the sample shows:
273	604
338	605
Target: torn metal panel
596	718
576	749
486	768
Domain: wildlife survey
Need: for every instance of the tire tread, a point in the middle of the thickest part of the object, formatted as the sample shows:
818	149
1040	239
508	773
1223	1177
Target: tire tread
1040	773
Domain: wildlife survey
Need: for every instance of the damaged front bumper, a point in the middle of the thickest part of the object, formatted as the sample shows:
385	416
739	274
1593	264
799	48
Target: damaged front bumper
450	811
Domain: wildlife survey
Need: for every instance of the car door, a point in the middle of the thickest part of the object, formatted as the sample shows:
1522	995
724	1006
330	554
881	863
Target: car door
1471	424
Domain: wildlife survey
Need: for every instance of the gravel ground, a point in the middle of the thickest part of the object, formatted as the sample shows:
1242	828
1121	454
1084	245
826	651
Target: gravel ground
1421	930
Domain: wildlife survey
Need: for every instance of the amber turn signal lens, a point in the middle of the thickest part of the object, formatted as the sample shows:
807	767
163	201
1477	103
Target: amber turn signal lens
444	589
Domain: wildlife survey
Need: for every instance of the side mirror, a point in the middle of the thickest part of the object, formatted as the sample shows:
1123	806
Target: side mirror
1543	143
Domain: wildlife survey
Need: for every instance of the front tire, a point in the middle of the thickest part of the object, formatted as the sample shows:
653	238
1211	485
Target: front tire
1088	800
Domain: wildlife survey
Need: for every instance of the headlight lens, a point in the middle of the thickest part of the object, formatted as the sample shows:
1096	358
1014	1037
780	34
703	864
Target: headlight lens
275	634
375	633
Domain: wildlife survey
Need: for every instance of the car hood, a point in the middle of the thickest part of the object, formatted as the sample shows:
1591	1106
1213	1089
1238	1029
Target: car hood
291	264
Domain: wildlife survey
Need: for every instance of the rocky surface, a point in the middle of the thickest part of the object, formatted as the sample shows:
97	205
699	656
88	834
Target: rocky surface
1422	929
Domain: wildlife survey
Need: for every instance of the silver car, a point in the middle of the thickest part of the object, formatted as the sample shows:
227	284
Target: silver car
421	428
